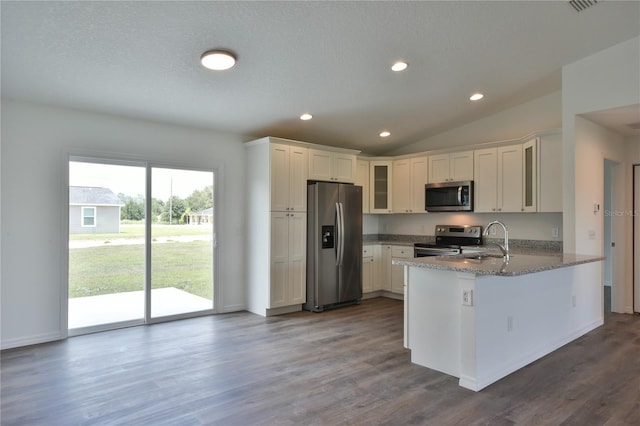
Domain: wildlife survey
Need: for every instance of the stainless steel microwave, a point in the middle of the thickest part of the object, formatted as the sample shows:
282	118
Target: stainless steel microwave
449	197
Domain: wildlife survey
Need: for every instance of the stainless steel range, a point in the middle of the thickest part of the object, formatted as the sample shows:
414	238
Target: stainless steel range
449	240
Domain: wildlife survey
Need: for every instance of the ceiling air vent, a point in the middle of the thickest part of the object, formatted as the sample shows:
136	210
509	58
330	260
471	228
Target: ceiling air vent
580	5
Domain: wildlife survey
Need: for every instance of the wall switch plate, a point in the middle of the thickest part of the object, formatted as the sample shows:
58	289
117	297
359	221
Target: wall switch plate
591	234
467	297
509	323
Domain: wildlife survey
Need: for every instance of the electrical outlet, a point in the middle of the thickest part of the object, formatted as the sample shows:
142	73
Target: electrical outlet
467	297
591	234
554	232
493	231
509	323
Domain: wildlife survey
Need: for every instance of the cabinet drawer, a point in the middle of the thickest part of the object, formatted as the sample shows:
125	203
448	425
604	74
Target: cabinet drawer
402	252
367	251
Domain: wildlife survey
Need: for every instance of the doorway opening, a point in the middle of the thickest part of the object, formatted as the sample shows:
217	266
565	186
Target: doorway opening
613	236
141	244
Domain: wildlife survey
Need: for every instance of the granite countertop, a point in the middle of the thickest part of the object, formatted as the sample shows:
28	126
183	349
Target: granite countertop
519	263
389	242
516	245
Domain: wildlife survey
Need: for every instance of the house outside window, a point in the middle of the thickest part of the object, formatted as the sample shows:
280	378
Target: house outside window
88	216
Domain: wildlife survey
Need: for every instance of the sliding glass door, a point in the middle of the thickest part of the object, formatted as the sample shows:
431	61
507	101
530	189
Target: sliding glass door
141	243
181	241
106	243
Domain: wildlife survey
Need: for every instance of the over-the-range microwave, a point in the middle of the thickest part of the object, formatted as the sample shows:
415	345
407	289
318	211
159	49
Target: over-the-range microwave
449	197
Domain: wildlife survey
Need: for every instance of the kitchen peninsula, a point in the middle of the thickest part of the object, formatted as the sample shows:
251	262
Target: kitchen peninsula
479	318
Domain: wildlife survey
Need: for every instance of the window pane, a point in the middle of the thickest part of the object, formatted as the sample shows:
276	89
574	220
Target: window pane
88	216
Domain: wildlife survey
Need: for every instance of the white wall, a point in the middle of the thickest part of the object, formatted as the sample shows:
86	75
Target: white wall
606	80
543	113
36	141
527	226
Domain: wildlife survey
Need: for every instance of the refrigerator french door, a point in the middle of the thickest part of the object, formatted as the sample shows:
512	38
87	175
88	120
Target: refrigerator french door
334	245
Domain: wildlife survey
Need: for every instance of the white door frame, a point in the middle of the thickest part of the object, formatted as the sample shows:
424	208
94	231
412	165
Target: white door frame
636	238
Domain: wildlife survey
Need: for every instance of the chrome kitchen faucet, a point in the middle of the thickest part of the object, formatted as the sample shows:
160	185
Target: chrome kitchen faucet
505	248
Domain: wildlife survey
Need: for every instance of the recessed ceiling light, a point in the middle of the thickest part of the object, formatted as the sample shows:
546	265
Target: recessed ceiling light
218	60
399	66
476	97
385	134
306	116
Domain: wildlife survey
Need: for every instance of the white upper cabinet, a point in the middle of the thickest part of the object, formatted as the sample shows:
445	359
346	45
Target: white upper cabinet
332	166
362	179
485	180
510	179
288	178
409	179
498	179
451	167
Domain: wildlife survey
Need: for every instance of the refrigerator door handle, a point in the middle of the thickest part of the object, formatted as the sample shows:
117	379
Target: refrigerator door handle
341	236
338	235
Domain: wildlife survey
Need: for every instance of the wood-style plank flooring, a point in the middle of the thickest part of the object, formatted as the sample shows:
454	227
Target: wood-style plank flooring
346	366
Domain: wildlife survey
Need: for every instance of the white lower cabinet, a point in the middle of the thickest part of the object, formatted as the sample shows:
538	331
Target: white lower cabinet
393	275
368	269
288	259
385	268
397	271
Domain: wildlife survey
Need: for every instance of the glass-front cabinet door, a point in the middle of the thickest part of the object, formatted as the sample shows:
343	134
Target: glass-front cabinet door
380	187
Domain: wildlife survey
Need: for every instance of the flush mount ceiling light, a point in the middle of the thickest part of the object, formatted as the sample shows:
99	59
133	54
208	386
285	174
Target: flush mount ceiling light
218	60
476	97
385	134
399	66
306	116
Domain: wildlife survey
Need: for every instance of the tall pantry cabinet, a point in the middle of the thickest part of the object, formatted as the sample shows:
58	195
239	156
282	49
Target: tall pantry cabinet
276	231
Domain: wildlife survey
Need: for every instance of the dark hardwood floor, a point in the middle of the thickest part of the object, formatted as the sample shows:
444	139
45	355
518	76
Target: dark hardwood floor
346	366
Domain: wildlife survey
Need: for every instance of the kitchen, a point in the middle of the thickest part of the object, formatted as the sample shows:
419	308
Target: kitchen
32	156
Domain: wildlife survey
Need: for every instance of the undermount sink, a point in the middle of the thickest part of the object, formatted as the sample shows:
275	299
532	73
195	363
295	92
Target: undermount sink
474	257
482	256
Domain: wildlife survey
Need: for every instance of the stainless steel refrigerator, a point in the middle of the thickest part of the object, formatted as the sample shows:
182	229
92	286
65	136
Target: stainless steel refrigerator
334	245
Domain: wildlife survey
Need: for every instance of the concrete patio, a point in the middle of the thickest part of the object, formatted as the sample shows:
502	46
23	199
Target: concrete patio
119	307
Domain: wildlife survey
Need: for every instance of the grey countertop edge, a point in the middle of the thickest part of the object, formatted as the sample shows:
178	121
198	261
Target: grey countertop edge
581	259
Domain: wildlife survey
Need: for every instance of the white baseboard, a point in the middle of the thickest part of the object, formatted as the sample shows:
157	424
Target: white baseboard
31	340
234	308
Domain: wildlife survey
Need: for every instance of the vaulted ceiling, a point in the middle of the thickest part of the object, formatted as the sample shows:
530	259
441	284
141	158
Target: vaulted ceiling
330	59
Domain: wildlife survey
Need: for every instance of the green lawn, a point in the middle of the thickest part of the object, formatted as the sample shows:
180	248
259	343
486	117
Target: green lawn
137	231
120	268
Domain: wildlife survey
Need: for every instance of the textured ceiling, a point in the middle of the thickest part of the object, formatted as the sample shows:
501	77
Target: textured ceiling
331	59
